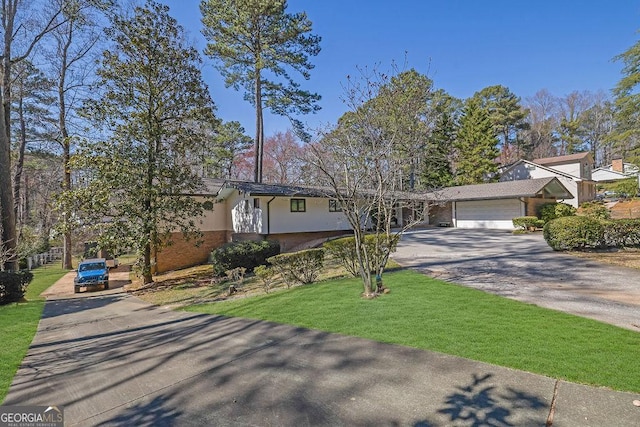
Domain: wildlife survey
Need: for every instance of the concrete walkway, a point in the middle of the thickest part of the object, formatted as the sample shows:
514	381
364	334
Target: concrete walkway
115	360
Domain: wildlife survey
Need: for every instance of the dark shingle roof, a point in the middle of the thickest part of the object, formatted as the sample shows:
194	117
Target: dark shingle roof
549	186
214	186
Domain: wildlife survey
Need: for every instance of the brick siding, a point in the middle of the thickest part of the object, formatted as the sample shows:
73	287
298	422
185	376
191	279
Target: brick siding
184	253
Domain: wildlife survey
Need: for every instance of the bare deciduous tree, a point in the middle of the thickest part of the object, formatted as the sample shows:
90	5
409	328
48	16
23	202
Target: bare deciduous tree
360	160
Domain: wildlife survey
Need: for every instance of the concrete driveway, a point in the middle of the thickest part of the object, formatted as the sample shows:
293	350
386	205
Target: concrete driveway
114	360
525	268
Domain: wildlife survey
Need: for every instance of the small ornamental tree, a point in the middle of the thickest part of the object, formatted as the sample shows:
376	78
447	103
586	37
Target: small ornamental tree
363	161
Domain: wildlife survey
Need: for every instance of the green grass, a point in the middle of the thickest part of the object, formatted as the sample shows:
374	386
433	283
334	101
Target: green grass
429	314
19	322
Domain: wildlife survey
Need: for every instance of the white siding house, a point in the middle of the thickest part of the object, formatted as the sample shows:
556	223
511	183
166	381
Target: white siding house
573	171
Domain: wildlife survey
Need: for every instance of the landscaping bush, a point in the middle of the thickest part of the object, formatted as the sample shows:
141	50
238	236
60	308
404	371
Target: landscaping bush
13	285
247	254
554	210
526	222
266	275
622	233
344	250
594	210
303	266
574	232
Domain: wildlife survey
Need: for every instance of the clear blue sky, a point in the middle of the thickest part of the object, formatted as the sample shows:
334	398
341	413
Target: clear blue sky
463	45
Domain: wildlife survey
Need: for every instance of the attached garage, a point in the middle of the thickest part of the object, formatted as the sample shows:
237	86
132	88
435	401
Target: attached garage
487	213
494	205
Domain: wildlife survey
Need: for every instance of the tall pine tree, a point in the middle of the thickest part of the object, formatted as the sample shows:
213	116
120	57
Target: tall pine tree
256	45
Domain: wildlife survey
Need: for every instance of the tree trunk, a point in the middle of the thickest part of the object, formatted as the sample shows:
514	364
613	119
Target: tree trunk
7	211
147	277
17	177
259	149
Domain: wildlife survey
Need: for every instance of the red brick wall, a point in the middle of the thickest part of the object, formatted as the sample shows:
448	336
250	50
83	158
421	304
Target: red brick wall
184	253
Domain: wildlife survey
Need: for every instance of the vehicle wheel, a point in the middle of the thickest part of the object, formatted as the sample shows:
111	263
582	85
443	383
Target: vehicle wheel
76	289
106	286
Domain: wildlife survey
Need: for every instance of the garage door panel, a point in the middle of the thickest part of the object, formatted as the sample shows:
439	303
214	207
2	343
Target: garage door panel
487	213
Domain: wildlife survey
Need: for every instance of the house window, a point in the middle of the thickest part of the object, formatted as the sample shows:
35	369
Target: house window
298	205
334	206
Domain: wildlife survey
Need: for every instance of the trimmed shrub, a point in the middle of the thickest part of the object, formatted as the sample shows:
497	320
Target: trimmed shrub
266	275
303	266
622	233
247	254
550	211
594	210
526	222
574	232
13	285
344	250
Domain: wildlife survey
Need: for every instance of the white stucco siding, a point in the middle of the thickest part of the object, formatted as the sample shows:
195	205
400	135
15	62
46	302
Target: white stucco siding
215	219
316	217
496	214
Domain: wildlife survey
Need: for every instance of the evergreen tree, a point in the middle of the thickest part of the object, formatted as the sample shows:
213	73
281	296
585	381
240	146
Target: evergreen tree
508	118
475	145
627	105
256	44
436	165
159	113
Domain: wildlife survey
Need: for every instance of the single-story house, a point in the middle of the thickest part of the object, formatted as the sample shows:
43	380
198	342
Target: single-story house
493	205
573	171
239	210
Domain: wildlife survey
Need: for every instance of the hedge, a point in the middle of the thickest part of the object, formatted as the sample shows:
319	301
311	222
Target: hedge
13	285
622	233
580	232
303	266
526	222
574	232
247	254
344	250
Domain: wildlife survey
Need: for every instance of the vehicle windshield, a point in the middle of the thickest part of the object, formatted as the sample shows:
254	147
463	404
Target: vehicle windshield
92	266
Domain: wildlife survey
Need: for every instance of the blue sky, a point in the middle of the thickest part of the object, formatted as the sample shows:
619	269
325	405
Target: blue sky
463	45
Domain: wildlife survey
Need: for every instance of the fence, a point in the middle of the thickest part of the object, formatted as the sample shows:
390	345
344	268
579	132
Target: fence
53	254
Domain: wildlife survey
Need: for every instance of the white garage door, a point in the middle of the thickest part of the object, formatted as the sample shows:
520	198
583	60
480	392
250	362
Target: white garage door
488	213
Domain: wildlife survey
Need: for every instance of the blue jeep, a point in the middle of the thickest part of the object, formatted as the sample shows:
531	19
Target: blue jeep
92	272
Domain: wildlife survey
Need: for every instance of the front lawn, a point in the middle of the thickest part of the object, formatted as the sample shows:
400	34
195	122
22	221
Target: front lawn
425	313
19	322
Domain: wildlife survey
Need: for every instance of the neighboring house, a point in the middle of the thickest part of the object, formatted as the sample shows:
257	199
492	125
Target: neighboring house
617	170
494	205
238	210
573	171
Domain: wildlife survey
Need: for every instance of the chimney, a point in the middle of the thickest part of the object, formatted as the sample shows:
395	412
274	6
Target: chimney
617	165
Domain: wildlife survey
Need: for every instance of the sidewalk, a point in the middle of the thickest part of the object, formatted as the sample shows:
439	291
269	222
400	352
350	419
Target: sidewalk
115	360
